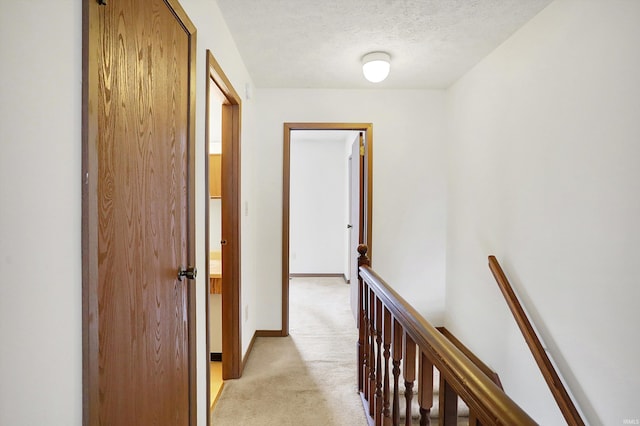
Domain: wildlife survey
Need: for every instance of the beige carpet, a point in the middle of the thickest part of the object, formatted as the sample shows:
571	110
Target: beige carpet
308	378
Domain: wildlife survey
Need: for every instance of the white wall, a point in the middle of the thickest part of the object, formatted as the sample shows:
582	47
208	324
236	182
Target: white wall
40	210
215	224
543	173
408	195
213	34
40	213
318	214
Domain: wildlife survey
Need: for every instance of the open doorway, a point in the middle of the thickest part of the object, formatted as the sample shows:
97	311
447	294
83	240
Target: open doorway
215	102
362	231
319	203
222	228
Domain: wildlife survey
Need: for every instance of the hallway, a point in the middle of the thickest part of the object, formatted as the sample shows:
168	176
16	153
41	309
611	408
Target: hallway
307	378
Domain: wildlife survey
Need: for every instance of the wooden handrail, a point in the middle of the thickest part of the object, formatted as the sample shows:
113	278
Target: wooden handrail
477	361
488	403
564	401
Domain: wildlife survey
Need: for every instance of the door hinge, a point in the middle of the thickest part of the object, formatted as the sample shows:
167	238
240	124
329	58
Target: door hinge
102	2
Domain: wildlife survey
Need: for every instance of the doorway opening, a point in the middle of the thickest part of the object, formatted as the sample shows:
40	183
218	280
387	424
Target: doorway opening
359	230
222	226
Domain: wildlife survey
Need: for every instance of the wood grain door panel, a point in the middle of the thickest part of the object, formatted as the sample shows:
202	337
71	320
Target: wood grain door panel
137	331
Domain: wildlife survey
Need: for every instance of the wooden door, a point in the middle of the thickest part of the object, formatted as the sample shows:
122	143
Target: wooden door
138	223
230	215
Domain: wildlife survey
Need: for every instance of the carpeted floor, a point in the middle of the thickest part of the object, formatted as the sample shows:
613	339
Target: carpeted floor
306	379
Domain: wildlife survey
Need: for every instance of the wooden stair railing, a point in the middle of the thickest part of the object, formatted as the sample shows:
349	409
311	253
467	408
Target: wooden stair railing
392	331
477	361
560	394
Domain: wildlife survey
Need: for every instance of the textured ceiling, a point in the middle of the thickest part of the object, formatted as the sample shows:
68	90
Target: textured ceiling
319	43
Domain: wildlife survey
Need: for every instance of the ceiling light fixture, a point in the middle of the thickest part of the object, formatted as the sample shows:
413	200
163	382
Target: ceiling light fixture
375	66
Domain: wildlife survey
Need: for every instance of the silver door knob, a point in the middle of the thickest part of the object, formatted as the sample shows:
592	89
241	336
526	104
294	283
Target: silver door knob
190	273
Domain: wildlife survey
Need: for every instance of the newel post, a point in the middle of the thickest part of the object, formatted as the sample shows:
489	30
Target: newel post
363	260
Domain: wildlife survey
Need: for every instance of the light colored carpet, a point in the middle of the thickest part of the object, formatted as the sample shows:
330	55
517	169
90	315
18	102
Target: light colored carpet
306	379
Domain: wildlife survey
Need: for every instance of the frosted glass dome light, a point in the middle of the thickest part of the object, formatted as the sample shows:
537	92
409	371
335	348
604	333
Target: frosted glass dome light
375	66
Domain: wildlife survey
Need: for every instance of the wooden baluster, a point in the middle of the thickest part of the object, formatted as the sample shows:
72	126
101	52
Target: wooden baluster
379	373
387	334
363	260
365	343
367	327
372	352
409	373
397	356
362	332
425	389
448	404
474	420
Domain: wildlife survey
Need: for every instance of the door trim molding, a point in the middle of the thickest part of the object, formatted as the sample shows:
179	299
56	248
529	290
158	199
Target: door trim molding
231	316
286	177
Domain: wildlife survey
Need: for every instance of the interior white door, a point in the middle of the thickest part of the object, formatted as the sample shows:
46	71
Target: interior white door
354	224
